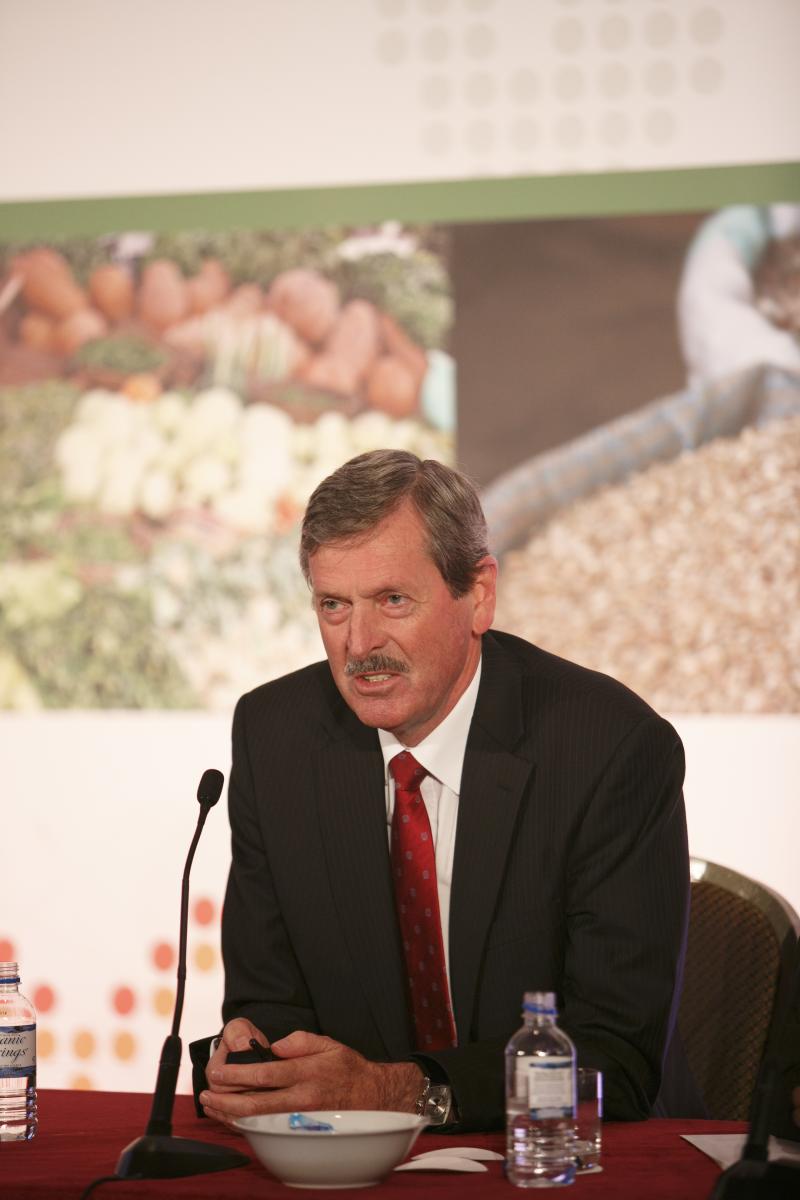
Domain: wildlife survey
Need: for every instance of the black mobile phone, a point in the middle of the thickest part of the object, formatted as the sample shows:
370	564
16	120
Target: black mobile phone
256	1054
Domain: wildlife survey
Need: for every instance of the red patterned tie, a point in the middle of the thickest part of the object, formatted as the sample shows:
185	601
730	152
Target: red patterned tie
417	897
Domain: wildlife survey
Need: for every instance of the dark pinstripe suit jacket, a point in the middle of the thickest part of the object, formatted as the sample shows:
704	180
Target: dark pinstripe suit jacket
570	874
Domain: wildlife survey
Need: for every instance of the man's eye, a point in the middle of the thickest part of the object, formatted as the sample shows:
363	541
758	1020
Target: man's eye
329	606
394	598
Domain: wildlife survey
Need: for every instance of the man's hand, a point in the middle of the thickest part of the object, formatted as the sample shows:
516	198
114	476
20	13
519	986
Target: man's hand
313	1072
235	1036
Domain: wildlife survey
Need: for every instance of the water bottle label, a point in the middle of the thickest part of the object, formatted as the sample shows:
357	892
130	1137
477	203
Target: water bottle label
548	1085
17	1051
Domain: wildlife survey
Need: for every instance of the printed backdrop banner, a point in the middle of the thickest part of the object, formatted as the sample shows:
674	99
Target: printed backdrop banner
168	403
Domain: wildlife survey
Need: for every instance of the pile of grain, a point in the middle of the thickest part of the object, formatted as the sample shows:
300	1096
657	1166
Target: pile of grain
683	582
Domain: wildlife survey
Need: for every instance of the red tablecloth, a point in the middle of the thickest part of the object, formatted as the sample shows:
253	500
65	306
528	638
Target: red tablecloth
81	1135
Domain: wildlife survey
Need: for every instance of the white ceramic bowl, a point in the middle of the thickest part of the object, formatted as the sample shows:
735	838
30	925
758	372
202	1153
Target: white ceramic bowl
363	1148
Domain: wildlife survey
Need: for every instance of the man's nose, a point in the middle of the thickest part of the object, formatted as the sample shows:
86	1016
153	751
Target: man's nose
364	633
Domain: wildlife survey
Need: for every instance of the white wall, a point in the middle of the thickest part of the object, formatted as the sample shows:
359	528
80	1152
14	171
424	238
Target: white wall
104	97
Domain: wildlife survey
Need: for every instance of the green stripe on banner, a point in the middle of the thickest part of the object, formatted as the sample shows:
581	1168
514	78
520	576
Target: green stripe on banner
584	194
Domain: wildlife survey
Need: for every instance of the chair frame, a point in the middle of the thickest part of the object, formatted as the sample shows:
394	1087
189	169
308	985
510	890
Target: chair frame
779	914
778	911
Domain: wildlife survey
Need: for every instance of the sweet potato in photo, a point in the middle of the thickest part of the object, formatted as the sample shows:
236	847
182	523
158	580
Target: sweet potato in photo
163	298
209	287
48	283
83	326
112	292
331	374
356	337
401	346
392	388
37	331
307	301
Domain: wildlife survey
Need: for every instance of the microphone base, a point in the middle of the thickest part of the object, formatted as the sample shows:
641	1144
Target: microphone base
751	1179
160	1157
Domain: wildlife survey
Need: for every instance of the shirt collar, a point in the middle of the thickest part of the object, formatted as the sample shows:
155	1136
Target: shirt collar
442	752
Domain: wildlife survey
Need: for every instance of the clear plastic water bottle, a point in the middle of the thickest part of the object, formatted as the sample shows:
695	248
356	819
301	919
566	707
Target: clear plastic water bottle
540	1098
18	1113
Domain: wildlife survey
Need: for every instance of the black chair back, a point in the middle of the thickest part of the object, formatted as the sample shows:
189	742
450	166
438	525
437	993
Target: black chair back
741	943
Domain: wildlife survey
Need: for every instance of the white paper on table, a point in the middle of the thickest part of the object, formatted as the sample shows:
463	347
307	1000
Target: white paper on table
726	1148
430	1162
475	1152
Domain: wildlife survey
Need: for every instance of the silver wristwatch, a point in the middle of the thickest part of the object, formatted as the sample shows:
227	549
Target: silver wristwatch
435	1102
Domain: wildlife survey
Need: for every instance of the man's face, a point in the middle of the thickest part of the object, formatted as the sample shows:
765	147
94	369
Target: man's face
401	648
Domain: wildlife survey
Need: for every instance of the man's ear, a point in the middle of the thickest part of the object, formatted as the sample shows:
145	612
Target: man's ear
484	594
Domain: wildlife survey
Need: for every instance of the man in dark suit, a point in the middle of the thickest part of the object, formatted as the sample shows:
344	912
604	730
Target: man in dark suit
551	800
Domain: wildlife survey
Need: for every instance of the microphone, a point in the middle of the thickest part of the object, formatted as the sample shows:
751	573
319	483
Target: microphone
209	789
753	1176
159	1155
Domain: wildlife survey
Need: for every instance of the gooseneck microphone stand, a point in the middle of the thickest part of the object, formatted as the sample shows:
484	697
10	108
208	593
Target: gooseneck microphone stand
753	1176
159	1155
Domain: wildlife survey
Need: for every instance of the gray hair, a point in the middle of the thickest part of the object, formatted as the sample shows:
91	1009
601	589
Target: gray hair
368	488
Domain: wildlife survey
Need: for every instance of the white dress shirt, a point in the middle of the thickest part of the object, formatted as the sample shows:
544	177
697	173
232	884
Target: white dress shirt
441	753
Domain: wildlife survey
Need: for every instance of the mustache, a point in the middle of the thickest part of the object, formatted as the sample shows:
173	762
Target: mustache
375	664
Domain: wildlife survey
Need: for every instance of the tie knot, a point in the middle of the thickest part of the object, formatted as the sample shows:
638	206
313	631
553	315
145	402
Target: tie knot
406	772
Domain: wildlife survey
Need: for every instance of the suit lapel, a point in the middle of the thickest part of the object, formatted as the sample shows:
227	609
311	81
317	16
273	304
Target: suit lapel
352	817
497	767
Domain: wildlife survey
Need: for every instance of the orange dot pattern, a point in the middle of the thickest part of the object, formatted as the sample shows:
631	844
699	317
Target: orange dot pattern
83	1044
125	1046
163	956
205	957
44	998
45	1043
164	1001
123	1000
204	911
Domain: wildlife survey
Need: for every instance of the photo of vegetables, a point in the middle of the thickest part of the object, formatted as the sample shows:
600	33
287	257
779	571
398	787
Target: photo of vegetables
167	405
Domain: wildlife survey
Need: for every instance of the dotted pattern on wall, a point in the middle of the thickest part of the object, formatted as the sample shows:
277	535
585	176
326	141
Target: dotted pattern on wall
587	85
77	1055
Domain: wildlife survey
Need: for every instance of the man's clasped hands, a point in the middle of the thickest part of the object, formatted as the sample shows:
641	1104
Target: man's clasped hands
309	1072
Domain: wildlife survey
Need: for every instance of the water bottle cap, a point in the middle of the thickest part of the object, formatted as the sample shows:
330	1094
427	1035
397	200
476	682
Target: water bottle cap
9	972
539	1002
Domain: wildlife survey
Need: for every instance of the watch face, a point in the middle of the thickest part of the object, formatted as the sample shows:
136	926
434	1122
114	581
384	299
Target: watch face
437	1107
